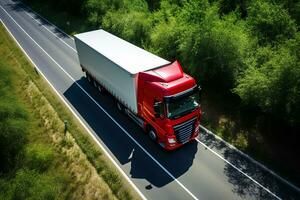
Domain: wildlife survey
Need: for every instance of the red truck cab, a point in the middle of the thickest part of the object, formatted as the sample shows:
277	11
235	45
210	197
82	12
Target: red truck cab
168	101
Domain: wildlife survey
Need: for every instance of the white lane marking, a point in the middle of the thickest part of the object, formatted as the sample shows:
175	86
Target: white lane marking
136	142
251	159
50	31
95	137
239	170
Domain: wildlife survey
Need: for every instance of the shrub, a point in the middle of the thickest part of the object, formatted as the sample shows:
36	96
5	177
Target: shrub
38	157
29	184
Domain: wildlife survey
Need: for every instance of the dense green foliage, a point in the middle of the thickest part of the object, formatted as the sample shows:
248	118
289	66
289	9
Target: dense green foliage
248	48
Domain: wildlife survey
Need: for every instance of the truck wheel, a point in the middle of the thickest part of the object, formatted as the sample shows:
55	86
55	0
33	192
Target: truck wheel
88	77
95	84
100	88
152	134
120	107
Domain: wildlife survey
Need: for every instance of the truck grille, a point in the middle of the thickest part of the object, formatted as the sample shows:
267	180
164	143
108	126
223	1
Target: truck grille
185	130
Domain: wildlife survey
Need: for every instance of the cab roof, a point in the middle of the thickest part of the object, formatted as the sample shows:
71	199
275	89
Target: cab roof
126	55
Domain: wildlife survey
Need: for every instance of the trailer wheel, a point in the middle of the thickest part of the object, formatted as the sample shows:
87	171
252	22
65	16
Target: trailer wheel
95	83
152	134
100	89
120	106
89	78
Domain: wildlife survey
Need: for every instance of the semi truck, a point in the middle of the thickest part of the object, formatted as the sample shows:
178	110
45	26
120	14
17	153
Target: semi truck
155	93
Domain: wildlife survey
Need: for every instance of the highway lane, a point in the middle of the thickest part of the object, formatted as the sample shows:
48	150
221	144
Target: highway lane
198	171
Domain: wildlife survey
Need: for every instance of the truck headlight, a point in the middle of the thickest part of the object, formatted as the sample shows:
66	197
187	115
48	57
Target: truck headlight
171	140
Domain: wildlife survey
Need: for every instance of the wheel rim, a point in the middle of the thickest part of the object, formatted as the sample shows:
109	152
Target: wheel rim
152	135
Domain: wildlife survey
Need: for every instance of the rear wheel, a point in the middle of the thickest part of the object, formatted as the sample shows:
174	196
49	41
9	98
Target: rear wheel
95	83
120	106
100	88
89	78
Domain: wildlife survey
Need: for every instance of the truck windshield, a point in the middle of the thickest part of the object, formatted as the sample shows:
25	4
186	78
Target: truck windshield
178	106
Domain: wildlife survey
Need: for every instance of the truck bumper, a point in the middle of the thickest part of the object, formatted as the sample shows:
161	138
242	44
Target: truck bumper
170	147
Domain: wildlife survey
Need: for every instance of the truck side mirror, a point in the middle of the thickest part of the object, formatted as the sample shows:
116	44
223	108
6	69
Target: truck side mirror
157	109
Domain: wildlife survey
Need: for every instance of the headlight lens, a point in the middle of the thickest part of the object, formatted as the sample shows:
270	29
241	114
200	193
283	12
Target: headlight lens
171	140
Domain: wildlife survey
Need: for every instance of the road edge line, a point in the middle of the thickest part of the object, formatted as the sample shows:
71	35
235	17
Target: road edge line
50	31
239	170
251	159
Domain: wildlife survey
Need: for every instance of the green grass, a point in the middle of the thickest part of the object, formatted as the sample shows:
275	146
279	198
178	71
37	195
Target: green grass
38	147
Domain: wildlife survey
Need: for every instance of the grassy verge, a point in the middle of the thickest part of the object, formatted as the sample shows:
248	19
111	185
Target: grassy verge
86	172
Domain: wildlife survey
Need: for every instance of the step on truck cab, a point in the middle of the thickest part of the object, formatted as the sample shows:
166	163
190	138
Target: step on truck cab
154	92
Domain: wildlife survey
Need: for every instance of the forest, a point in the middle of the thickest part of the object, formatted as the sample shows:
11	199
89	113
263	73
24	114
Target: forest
245	51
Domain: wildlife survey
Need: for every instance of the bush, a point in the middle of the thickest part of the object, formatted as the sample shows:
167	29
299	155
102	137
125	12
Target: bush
13	129
29	184
38	157
274	83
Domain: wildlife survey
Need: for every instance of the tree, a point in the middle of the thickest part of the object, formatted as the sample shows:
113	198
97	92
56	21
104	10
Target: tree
270	22
132	26
216	50
273	82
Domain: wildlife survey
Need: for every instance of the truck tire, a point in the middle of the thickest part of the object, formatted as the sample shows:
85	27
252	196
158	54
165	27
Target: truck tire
100	89
120	107
95	84
89	78
152	134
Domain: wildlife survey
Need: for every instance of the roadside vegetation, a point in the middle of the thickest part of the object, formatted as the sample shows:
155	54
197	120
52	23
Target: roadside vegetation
245	54
38	158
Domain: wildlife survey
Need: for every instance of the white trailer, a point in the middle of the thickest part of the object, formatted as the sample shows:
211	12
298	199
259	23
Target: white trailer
115	64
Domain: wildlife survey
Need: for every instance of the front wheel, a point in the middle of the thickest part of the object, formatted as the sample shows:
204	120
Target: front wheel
152	134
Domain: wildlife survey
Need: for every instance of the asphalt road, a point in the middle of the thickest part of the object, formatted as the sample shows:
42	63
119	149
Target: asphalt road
202	169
